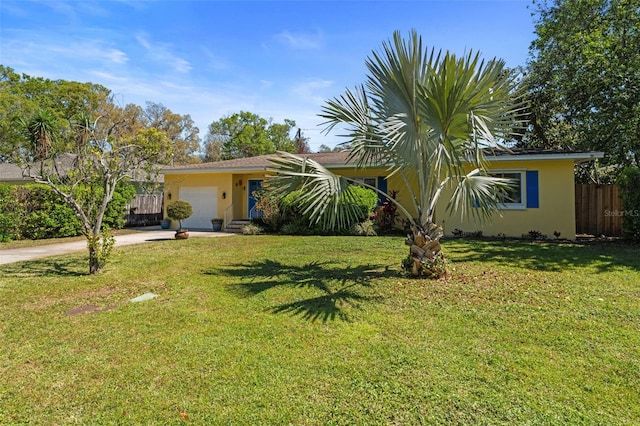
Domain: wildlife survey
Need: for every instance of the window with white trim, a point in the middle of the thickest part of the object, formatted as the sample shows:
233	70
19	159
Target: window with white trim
515	196
371	181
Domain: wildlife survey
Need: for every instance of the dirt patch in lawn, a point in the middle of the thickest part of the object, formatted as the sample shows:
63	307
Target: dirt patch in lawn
90	297
89	309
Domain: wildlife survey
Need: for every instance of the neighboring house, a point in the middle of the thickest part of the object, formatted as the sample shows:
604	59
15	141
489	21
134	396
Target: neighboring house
543	201
13	174
144	209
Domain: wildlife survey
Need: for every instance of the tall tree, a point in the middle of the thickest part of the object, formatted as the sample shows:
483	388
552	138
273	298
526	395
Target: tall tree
211	149
246	134
583	78
180	129
85	163
425	116
301	143
279	133
337	148
25	96
41	130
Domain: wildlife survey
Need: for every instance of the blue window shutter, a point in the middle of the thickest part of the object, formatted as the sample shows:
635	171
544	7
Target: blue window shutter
382	186
533	193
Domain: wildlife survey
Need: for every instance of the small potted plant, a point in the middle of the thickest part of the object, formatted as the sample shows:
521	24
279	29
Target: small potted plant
217	224
166	223
179	210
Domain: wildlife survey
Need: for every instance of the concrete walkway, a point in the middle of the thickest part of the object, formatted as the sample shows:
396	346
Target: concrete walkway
145	235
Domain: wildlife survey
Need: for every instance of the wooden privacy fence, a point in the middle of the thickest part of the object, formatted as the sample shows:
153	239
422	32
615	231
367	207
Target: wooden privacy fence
144	209
598	210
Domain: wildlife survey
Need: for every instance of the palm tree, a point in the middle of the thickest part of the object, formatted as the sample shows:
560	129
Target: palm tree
40	130
426	117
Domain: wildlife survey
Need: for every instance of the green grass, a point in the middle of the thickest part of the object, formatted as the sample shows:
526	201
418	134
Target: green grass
324	330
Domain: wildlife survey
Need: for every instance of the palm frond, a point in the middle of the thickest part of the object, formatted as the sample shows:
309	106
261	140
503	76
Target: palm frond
478	195
324	196
426	116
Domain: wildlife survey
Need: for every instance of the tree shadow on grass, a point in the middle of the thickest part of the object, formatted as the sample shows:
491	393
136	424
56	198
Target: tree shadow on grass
327	307
67	266
341	288
549	256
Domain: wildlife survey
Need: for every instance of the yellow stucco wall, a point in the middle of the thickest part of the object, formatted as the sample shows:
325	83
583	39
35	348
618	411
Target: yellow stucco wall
173	183
233	185
556	211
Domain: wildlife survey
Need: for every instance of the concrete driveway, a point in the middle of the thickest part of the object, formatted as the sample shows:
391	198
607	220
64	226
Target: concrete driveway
145	235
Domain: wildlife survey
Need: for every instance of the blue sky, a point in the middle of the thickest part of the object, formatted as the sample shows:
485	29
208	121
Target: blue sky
209	59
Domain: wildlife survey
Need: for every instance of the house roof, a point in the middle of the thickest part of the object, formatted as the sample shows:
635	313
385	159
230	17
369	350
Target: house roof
12	173
519	154
339	159
258	163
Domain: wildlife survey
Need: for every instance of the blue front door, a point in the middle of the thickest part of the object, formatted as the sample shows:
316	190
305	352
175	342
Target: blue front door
254	185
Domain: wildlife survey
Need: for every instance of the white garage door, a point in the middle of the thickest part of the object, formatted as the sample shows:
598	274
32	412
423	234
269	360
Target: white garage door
204	200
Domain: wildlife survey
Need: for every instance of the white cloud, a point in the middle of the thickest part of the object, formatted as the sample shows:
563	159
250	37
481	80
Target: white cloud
265	84
143	41
162	54
117	56
301	41
312	90
63	53
105	77
215	62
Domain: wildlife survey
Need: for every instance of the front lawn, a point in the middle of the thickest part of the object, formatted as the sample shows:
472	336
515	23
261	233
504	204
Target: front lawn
323	330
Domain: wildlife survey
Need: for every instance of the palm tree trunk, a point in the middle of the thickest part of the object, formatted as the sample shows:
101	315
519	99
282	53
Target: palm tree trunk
425	252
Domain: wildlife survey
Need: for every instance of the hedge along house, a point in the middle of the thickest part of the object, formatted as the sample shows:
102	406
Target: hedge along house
543	198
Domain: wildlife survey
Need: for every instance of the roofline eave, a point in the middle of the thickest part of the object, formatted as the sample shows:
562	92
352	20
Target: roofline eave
190	170
578	157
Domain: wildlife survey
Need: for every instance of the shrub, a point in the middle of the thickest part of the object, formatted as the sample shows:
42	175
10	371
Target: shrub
270	206
474	234
298	223
297	226
45	214
534	235
365	229
387	214
365	200
36	211
10	213
252	229
179	210
629	182
115	214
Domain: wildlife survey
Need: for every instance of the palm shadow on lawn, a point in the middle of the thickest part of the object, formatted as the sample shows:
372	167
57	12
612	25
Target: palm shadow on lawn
549	256
340	287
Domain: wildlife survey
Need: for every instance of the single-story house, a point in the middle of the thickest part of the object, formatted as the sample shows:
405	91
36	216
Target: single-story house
544	199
